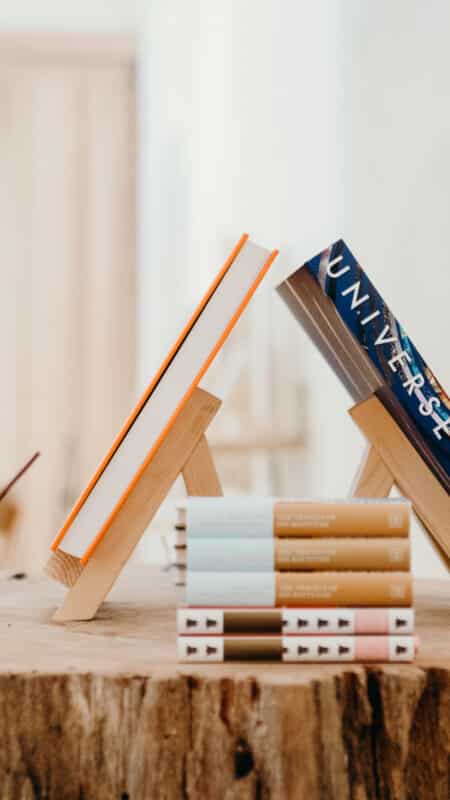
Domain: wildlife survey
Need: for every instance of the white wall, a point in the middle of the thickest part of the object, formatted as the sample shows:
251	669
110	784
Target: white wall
300	122
71	15
241	134
395	65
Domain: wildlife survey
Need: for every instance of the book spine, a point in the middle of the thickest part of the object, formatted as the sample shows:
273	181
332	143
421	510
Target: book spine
390	350
166	398
208	517
319	319
291	589
413	434
250	555
295	621
317	314
358	518
296	648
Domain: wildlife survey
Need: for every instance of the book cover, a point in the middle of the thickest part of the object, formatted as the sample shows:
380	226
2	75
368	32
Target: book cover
303	555
319	317
381	336
167	394
291	589
248	517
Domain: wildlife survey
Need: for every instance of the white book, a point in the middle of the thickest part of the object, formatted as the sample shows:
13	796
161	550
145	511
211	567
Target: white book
154	415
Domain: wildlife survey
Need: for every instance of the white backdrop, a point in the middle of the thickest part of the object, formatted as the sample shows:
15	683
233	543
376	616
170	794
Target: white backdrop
395	67
300	122
223	155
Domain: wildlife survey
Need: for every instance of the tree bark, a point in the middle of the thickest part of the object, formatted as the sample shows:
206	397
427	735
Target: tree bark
101	710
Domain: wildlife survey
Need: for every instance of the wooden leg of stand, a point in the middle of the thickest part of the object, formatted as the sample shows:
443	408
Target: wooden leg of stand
112	553
64	568
373	478
430	500
199	472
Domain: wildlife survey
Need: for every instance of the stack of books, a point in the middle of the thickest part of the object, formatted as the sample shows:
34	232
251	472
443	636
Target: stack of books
294	580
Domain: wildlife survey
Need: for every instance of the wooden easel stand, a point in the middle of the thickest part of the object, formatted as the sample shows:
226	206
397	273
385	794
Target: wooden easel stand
185	451
391	459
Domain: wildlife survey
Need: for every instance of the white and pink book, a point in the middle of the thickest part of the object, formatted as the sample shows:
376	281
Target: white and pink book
295	621
296	649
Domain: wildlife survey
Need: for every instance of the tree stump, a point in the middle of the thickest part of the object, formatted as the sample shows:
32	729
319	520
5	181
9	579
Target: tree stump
101	710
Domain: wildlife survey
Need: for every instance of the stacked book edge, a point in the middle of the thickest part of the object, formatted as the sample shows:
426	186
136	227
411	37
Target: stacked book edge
296	580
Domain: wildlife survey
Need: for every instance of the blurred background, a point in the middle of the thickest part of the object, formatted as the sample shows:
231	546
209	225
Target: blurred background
138	140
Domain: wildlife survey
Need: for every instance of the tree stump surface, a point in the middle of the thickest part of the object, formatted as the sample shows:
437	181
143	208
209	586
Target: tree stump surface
102	710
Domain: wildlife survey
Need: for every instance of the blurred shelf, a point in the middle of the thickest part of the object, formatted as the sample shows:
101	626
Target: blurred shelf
257	444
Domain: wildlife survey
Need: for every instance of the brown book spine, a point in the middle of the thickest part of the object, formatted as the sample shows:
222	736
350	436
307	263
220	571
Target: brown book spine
343	589
290	554
299	589
342	554
367	518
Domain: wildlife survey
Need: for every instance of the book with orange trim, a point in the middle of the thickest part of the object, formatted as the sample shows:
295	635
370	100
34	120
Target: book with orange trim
166	395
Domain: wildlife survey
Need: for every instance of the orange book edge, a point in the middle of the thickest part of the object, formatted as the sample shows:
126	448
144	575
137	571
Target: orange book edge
129	422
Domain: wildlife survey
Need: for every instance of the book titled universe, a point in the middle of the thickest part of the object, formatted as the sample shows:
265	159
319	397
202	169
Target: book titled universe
386	361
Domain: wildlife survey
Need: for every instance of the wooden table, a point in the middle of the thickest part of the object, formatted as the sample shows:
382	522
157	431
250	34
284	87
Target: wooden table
102	709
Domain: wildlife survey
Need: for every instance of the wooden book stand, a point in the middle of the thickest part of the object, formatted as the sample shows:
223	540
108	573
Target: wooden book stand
184	451
390	459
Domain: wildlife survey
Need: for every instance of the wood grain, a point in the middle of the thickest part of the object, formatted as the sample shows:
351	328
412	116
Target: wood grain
373	479
199	473
102	710
63	567
116	547
430	500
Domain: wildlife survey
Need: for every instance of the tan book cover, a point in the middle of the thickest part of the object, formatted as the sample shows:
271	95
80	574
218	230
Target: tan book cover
343	589
318	518
382	553
256	517
291	589
342	554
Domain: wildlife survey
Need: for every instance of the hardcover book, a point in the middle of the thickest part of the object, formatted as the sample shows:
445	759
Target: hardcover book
294	621
291	589
296	648
303	555
248	517
370	351
169	391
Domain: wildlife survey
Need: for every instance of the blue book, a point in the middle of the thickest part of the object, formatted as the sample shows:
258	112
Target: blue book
371	351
